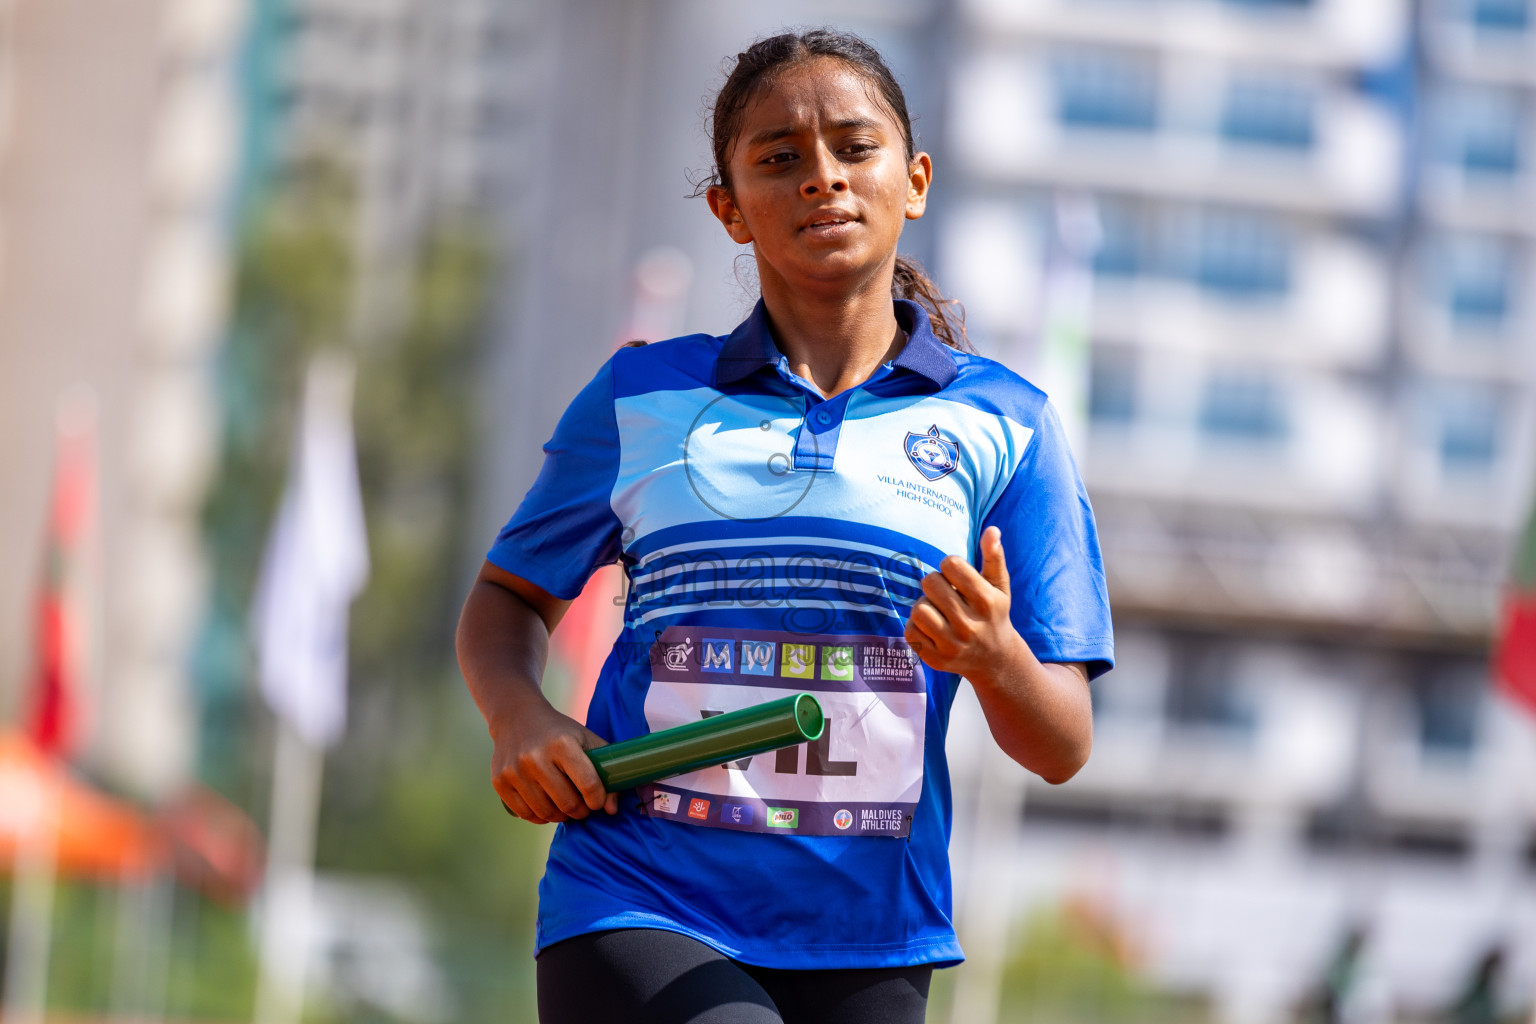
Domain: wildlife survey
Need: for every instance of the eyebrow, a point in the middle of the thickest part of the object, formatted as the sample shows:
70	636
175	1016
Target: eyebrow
768	135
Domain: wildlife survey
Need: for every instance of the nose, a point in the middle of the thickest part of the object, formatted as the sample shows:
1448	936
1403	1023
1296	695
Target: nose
825	174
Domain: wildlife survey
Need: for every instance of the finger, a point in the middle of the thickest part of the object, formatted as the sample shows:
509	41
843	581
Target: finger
561	790
994	561
945	598
936	636
579	768
530	787
969	583
916	639
516	805
611	805
923	647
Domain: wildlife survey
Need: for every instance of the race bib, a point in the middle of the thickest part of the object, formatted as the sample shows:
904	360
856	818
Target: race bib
863	777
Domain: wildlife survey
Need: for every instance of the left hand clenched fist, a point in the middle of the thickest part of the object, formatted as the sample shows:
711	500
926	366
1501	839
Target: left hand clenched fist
961	623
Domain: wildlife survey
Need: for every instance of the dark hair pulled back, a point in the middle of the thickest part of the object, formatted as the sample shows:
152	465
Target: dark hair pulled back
755	69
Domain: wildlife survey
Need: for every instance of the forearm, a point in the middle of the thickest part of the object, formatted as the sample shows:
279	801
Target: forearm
502	645
1040	713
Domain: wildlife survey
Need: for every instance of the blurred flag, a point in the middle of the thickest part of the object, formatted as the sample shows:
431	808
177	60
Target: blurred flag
1063	371
316	562
1515	650
66	602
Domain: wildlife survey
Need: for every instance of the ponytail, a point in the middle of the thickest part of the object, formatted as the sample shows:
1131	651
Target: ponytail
946	316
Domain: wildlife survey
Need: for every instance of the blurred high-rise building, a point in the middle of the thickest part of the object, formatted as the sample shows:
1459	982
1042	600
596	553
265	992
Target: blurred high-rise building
1306	408
417	103
1308	438
120	135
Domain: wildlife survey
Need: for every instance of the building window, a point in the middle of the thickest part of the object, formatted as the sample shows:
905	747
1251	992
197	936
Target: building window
1479	130
1112	387
1475	278
1469	422
1119	249
1241	256
1204	692
1447	700
1243	406
1105	89
1268	112
1501	15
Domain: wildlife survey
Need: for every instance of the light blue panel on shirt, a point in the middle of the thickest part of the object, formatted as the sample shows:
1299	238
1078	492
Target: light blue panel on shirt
699	456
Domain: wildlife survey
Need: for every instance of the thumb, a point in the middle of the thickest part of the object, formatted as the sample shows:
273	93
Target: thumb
994	565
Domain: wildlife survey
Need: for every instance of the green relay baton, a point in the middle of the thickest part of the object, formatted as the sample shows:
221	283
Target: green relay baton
708	742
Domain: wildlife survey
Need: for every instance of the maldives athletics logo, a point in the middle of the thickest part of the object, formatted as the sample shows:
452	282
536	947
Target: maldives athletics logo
932	454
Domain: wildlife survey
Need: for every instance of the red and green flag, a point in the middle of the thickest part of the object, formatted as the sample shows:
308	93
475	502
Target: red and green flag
65	623
1515	649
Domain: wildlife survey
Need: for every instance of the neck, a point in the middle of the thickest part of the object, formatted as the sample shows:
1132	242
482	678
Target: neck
835	339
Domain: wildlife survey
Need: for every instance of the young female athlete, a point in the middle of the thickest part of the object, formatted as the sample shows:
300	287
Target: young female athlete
835	497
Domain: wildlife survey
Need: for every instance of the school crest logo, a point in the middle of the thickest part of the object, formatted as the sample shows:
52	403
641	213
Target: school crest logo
932	454
675	656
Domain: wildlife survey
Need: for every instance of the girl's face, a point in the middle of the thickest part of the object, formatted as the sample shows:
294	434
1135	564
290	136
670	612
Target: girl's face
820	180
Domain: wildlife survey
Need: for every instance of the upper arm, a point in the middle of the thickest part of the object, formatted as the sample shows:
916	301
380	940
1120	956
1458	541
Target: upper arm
1076	668
550	609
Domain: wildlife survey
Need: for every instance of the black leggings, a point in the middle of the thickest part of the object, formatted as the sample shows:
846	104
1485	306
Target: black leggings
648	976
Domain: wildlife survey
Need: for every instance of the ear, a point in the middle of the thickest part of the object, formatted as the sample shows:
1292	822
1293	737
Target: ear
728	213
919	177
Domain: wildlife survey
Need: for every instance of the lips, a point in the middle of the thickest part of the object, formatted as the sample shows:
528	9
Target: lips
827	221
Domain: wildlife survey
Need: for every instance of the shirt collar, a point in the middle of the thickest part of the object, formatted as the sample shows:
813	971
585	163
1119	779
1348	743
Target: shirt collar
750	347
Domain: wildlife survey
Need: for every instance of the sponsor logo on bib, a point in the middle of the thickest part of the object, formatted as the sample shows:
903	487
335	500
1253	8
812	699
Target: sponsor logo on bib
676	655
799	661
757	657
932	454
717	655
784	817
862	776
837	663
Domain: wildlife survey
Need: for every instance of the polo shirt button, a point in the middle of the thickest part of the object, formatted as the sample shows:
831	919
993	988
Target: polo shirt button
822	417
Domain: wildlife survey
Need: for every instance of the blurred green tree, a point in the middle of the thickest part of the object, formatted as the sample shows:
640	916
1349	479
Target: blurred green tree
1072	966
406	793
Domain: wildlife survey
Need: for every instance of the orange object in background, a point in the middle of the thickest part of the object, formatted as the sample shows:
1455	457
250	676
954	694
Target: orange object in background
214	846
94	835
586	634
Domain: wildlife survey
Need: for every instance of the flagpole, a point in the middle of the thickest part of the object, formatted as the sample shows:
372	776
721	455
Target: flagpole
316	563
31	924
285	921
988	908
66	657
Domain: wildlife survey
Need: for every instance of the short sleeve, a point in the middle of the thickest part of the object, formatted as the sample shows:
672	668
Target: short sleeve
565	527
1060	604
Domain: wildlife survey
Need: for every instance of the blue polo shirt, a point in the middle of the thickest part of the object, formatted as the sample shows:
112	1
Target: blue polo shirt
774	542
